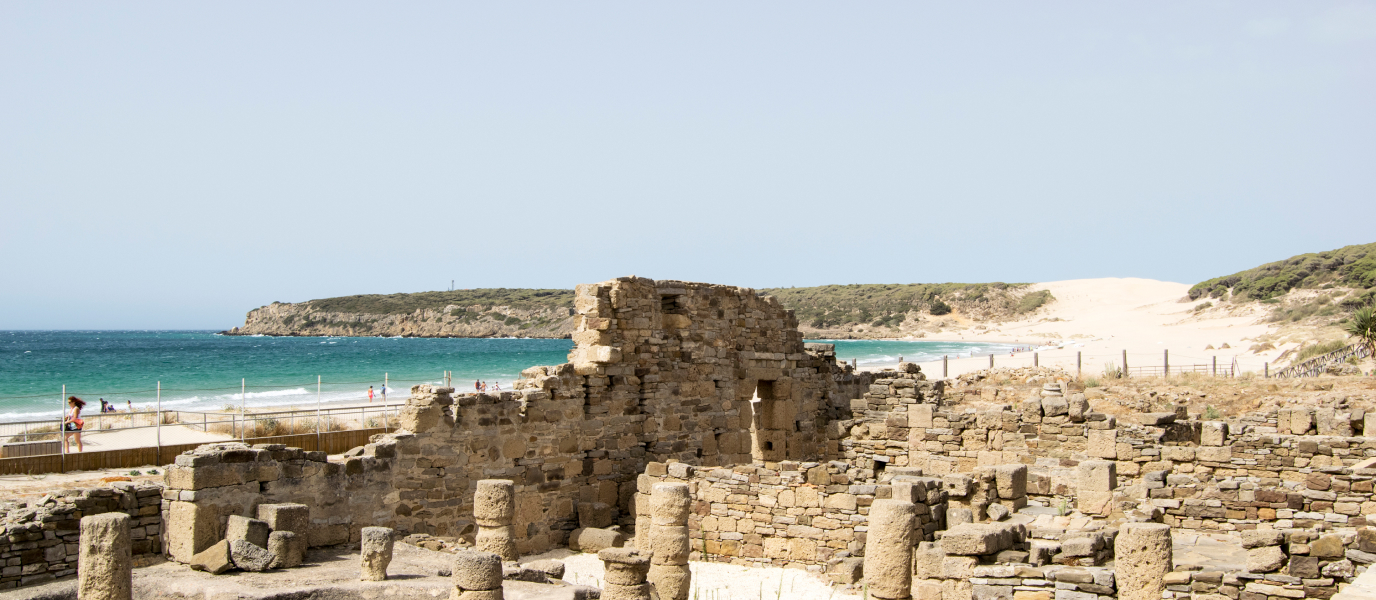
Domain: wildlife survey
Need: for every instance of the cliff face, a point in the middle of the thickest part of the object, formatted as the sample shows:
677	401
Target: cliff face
305	319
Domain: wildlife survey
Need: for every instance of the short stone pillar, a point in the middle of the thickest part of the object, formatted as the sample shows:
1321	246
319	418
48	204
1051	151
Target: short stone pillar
375	552
494	506
1142	555
669	503
286	549
476	575
626	570
889	549
105	561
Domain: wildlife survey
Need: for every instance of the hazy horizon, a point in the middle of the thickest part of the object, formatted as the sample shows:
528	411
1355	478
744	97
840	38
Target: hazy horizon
171	166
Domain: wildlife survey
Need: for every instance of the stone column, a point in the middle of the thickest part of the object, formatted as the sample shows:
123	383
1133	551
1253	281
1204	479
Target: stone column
889	549
1142	555
626	570
105	560
494	505
476	575
375	552
669	572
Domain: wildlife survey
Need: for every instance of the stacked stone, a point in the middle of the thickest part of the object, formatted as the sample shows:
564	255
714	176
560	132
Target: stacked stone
889	549
247	541
669	503
105	561
1094	490
988	494
1142	560
476	575
290	524
948	566
494	507
375	552
626	573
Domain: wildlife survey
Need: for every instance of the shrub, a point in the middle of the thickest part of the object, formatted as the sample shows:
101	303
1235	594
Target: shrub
1319	349
1092	382
940	308
1362	326
1033	301
1211	413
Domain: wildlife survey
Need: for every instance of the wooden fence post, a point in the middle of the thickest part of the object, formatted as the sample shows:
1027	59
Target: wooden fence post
1166	360
1125	364
1215	366
943	365
1078	369
991	361
1036	361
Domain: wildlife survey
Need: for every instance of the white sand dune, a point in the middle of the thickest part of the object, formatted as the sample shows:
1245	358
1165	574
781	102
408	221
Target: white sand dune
1100	318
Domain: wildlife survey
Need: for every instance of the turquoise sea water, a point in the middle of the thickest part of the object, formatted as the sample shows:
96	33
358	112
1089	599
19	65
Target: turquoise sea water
202	370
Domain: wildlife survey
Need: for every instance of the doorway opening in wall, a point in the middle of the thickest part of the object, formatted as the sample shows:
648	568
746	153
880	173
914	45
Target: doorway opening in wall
763	406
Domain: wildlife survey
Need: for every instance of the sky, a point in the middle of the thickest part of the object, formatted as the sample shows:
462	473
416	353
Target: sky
174	165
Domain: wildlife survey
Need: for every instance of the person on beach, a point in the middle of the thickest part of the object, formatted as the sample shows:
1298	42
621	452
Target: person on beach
72	424
477	386
496	387
370	393
383	389
104	406
131	405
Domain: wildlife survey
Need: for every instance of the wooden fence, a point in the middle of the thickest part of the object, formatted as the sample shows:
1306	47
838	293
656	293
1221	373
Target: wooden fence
1317	365
332	442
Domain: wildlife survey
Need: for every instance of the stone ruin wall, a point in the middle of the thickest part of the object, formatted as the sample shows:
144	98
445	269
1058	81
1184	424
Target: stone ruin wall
660	371
39	540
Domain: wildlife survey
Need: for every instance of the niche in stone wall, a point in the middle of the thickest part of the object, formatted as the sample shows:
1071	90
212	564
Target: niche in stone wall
767	441
672	304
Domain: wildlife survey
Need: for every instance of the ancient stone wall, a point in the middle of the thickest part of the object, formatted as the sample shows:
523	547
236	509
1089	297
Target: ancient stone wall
800	513
698	373
39	540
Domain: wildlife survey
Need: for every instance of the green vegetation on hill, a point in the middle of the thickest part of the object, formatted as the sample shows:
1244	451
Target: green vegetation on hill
889	304
393	304
1348	267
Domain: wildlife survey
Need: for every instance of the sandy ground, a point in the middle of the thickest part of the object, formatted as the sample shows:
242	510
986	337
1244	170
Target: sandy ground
718	581
1100	318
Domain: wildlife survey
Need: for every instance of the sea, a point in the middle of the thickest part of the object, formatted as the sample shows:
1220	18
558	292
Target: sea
202	370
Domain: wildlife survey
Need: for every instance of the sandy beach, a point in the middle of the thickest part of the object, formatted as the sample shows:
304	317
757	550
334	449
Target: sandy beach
1101	318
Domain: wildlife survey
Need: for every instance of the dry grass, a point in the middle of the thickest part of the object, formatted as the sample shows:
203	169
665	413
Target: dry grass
274	426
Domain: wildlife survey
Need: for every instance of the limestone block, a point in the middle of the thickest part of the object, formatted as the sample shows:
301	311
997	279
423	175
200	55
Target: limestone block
889	549
957	485
594	514
1177	453
1095	503
1103	443
494	502
190	529
1032	409
927	560
105	558
1097	476
213	560
375	553
501	541
920	416
959	515
1301	421
1328	546
592	540
669	504
1142	555
251	530
1077	407
1265	559
1054	406
997	512
1219	454
973	539
249	557
671	582
1011	481
476	570
1213	433
295	518
1369	424
625	566
847	571
1257	538
288	549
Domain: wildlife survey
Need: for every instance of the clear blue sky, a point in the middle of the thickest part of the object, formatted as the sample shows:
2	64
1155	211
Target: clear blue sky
173	165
